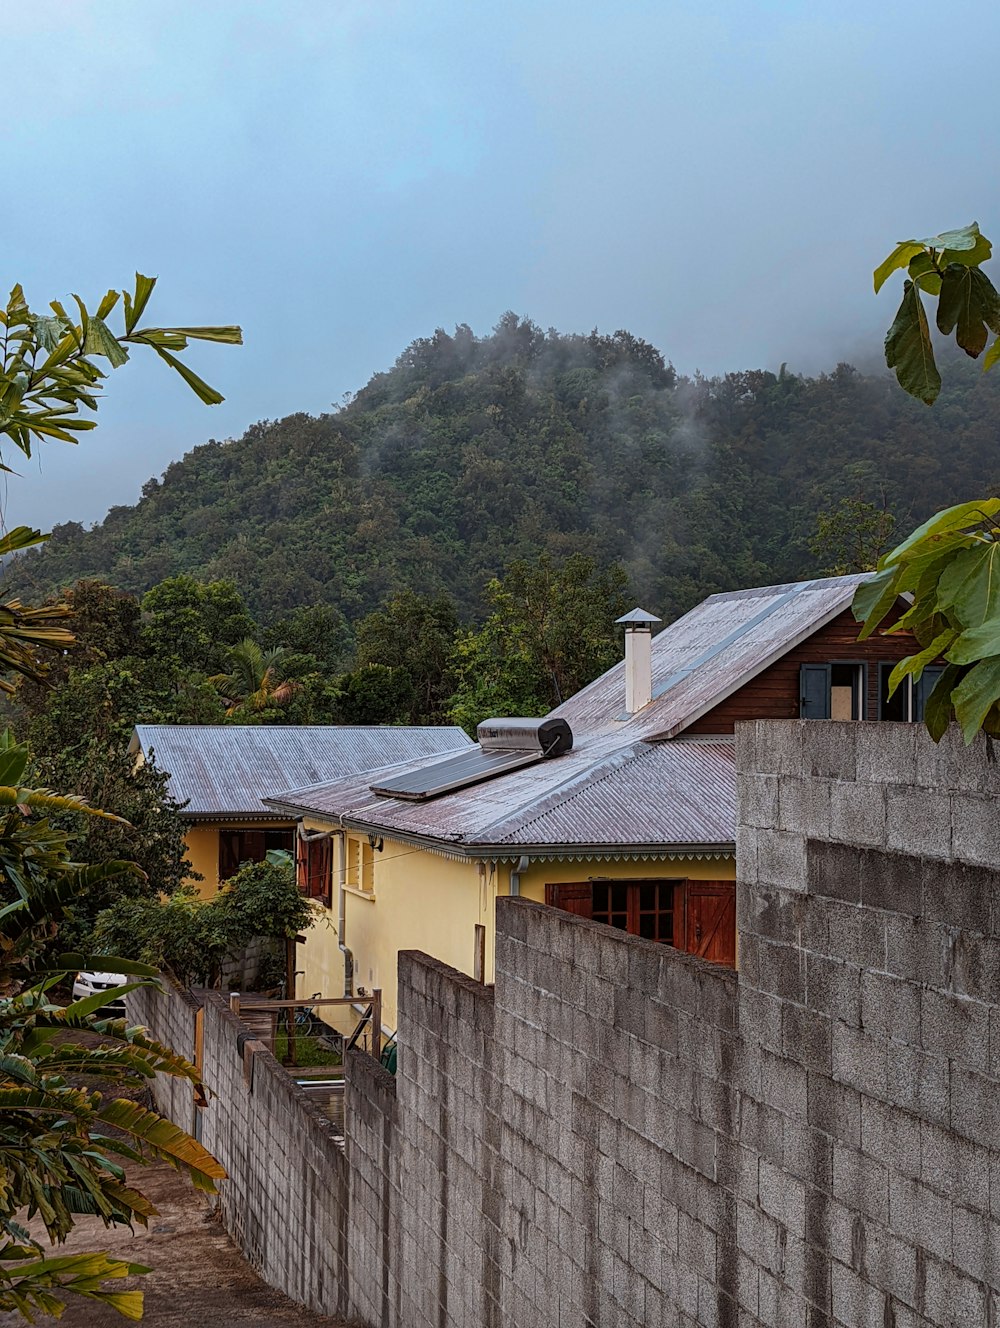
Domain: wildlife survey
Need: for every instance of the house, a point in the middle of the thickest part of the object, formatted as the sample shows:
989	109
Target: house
219	773
619	806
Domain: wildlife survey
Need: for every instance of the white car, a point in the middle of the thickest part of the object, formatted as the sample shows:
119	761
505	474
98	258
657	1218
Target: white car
90	982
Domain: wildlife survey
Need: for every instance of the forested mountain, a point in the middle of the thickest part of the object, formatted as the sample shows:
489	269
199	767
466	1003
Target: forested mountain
473	451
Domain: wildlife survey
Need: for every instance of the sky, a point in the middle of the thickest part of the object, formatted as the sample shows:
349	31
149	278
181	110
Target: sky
343	176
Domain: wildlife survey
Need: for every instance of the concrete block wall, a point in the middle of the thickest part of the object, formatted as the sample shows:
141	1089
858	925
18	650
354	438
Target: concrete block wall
169	1017
619	1135
285	1201
449	1220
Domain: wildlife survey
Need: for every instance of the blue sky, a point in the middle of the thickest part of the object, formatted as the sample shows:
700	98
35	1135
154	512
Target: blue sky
341	176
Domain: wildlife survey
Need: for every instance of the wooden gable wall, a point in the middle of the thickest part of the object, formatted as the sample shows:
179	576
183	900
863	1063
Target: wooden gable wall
774	694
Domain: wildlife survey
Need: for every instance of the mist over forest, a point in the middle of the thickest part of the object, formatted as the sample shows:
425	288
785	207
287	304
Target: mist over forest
473	451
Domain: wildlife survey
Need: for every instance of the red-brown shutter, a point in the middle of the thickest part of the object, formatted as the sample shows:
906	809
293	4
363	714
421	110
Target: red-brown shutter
319	870
711	921
577	898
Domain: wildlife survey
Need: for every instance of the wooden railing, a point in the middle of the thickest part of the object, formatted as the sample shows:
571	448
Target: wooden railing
246	1008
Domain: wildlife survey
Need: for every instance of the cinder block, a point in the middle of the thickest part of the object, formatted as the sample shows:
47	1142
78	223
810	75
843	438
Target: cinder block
918	821
954	1167
772	747
834	1108
804	806
949	1297
829	750
959	895
890	1008
781	859
886	754
975	1106
834	870
757	800
891	881
857	935
918	951
861	1183
784	1086
891	1136
954	1026
919	1215
975	829
783	1197
807	1037
856	1303
858	813
976	1244
834	988
808	1154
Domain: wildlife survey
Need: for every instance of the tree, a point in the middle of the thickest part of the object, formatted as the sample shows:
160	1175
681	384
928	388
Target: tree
415	635
48	378
950	566
254	685
852	536
552	630
59	1159
192	936
195	623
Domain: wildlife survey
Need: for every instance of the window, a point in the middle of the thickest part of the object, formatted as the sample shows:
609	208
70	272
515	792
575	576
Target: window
696	916
315	869
832	691
644	908
239	846
909	700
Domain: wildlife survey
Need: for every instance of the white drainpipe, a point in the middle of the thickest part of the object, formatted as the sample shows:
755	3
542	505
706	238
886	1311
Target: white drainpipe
515	876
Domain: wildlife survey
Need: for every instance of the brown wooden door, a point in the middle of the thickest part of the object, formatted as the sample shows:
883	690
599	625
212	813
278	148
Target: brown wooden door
576	897
711	921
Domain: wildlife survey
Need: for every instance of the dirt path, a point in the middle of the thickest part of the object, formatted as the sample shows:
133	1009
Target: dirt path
198	1280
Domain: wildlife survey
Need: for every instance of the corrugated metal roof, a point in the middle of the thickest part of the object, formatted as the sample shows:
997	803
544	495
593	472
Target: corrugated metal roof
225	770
622	778
711	652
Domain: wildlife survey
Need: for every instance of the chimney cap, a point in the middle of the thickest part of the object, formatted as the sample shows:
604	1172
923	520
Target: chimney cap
638	618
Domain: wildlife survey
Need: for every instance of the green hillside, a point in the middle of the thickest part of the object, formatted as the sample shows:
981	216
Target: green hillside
472	451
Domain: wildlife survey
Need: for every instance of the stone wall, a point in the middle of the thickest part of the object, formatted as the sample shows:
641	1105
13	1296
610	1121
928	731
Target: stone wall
620	1134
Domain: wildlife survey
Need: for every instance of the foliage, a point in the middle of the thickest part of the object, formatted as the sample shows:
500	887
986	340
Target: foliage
413	635
48	379
195	623
192	937
852	536
947	268
474	452
62	1145
949	566
254	686
550	633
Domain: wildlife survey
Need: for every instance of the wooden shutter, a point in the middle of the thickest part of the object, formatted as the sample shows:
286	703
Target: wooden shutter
711	921
814	691
574	898
319	870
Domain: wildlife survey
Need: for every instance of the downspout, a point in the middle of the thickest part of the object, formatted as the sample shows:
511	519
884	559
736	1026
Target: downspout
515	876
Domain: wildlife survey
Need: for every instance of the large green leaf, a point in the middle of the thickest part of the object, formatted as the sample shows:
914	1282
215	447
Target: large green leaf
900	257
965	239
874	598
100	340
914	665
937	710
976	643
970	584
969	304
976	694
198	385
963	516
923	271
908	348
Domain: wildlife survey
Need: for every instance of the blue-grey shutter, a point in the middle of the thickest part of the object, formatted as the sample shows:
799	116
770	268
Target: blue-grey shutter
814	691
923	689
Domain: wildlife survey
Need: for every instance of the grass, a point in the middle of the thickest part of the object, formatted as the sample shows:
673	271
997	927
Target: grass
309	1050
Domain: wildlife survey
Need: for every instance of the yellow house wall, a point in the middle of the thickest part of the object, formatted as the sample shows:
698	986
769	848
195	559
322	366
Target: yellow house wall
424	901
202	845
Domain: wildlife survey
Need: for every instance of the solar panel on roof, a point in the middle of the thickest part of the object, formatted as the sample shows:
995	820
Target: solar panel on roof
469	767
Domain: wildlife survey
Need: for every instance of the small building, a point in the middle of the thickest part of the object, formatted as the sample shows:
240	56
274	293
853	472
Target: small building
620	806
220	773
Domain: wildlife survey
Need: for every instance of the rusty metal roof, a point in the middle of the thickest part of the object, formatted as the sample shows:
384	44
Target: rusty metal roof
601	794
624	783
224	770
709	653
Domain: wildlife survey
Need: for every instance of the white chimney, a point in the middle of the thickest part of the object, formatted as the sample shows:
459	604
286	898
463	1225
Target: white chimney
638	658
